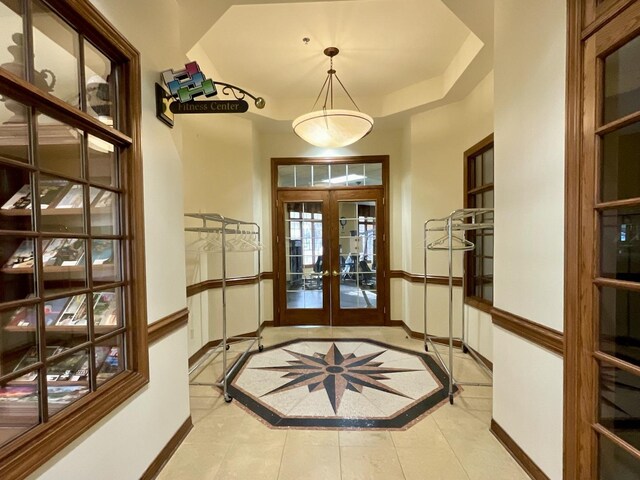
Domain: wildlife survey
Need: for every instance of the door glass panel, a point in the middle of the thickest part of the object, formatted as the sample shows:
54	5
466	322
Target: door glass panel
622	81
620	177
357	245
303	254
620	243
619	406
616	463
620	324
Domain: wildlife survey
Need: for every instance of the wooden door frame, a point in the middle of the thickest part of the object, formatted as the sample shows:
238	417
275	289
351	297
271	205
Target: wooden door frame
585	18
348	160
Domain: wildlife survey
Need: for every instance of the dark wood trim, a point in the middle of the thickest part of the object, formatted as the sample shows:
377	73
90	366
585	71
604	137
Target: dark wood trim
542	336
517	453
630	449
420	336
431	279
233	282
167	452
167	325
598	15
479	304
573	127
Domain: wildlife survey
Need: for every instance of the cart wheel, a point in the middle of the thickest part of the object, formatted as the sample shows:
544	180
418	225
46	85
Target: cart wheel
228	398
465	349
426	348
260	348
451	399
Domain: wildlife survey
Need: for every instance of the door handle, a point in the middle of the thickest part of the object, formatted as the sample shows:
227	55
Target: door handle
335	274
325	273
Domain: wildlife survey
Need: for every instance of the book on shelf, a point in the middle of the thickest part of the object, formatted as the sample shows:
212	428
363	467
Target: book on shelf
105	200
23	256
50	192
65	252
71	368
27	317
31	357
102	252
105	308
75	312
74	198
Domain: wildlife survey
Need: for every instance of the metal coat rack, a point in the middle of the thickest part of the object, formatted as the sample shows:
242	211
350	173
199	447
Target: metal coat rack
453	228
216	223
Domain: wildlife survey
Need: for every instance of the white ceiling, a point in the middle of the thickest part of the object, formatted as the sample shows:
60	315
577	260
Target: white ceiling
395	55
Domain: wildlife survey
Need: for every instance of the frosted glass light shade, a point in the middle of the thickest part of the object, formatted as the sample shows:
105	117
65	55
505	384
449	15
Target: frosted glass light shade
332	128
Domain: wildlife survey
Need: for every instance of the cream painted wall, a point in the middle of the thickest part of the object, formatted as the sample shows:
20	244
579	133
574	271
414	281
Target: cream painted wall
529	192
137	430
432	188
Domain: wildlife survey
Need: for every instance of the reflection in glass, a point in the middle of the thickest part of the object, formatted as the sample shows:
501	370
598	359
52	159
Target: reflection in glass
487	164
620	324
19	409
65	201
304	265
59	147
321	175
108	359
622	81
64	265
102	161
66	320
107	310
11	38
15	199
615	462
619	406
67	380
18	343
303	176
17	272
373	173
104	212
55	48
14	130
620	243
100	88
620	177
105	261
355	175
338	175
286	176
358	257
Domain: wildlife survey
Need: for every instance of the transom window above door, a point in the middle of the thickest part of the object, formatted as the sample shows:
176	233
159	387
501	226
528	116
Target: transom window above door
345	175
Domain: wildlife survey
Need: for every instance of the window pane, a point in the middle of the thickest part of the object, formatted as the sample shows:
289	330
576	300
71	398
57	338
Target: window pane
67	380
11	36
321	175
616	463
355	175
622	81
478	171
67	321
17	274
14	130
105	258
18	337
478	201
109	358
487	162
55	48
102	161
620	324
303	175
64	265
19	409
620	243
107	310
338	175
65	200
15	199
286	176
104	212
487	199
620	177
373	173
100	84
619	406
59	147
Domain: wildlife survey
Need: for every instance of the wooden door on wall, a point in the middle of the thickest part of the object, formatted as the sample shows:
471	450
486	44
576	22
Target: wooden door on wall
330	245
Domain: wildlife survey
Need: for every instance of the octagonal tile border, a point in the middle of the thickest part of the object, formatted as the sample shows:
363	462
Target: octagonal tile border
399	420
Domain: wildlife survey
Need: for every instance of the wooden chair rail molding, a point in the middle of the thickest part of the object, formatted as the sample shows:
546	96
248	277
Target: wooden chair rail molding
431	279
167	325
542	336
197	288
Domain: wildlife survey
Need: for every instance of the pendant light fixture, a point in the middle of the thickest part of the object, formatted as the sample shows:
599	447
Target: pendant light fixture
329	127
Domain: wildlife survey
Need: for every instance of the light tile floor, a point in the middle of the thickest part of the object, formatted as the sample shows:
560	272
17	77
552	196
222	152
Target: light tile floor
453	442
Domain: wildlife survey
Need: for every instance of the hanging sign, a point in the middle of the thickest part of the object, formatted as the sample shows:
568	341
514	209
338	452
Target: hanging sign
183	87
207	106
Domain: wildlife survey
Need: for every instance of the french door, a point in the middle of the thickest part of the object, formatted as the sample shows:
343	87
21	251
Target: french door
331	257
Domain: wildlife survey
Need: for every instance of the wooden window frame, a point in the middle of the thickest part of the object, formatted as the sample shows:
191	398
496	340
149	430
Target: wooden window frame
607	20
469	273
26	453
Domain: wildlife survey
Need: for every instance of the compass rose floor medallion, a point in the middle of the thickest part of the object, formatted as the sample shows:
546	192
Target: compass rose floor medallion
339	383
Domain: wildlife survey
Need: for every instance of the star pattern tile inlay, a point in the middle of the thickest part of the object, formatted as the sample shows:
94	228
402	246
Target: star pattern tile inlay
336	373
